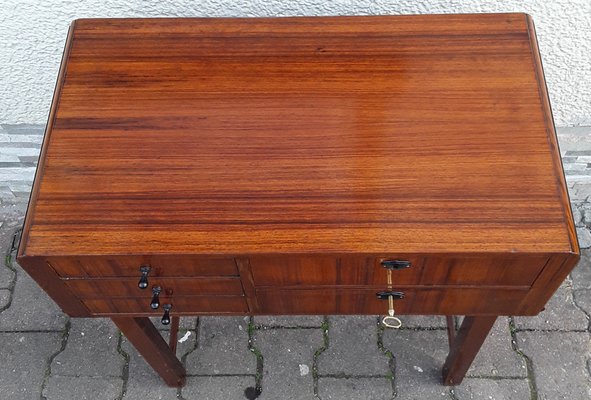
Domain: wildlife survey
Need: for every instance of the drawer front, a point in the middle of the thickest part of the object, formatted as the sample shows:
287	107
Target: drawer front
180	305
128	287
128	267
439	301
332	271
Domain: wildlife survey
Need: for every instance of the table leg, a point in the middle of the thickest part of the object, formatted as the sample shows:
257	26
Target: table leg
149	343
465	346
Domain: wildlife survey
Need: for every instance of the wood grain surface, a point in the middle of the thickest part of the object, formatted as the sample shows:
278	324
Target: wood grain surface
406	134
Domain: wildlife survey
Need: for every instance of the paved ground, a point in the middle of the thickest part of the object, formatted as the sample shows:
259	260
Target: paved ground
45	355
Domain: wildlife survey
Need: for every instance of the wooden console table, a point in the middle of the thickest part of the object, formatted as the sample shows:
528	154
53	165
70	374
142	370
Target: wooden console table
286	165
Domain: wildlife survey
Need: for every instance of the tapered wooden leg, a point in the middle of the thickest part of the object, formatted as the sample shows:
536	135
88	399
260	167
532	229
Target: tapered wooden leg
465	346
150	344
174	333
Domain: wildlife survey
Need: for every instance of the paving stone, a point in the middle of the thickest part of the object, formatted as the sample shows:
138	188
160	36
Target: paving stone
143	383
423	321
289	321
561	314
353	348
496	356
91	350
217	387
493	389
586	214
577	215
4	297
582	299
584	238
20	186
6	195
24	360
580	191
355	388
6	276
288	359
31	308
419	357
559	363
581	274
83	388
222	348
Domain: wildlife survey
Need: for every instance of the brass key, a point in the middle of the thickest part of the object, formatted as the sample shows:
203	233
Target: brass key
390	321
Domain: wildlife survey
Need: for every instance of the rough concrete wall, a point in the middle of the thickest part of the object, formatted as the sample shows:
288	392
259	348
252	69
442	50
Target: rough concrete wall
32	35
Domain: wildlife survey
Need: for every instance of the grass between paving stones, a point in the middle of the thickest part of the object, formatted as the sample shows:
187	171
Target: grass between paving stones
258	376
125	368
8	264
64	342
391	375
529	367
325	328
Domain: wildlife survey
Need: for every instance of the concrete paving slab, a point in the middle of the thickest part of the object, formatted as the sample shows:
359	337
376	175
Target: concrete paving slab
355	388
584	237
353	348
6	276
83	388
222	348
560	314
582	299
91	350
291	321
493	389
288	356
24	361
418	358
423	321
31	308
581	275
559	363
497	357
217	387
4	298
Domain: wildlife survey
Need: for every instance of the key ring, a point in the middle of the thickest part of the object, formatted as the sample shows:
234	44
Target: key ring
394	323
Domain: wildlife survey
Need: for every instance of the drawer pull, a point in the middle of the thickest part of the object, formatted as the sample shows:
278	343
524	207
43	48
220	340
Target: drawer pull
143	283
166	317
155	303
385	295
395	264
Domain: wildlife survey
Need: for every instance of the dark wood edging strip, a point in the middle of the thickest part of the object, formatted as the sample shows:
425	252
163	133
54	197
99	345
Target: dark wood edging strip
46	138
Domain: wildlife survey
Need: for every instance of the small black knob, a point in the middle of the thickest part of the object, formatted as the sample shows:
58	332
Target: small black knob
155	303
143	283
166	317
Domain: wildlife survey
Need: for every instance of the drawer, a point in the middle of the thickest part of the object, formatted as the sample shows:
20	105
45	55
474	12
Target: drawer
439	301
432	270
128	287
180	305
130	266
